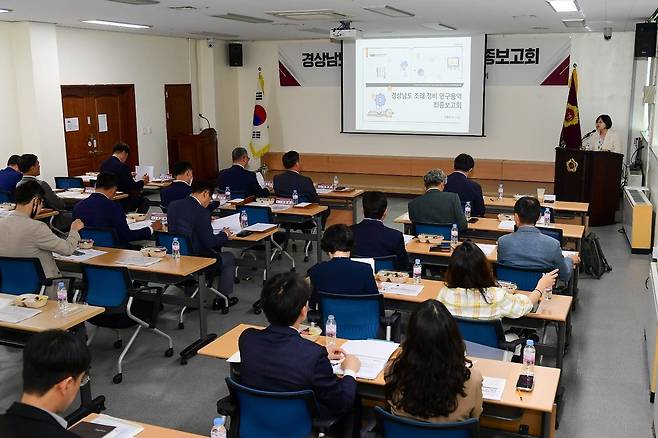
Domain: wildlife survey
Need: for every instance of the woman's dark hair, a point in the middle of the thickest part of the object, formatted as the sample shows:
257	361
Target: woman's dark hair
606	120
283	297
425	379
469	268
337	237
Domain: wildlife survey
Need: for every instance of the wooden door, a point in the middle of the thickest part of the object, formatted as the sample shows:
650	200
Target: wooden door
79	133
178	105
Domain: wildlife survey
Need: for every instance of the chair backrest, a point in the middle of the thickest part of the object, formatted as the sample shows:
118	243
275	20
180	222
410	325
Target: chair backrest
525	279
272	414
5	196
21	275
383	263
482	331
106	237
106	286
436	229
401	427
165	239
67	182
257	214
357	316
555	233
236	194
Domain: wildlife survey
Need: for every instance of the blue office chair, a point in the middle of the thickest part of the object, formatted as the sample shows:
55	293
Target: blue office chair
263	215
489	333
384	263
436	229
269	414
359	316
555	233
402	427
20	275
67	182
125	307
525	279
5	197
236	194
106	237
300	223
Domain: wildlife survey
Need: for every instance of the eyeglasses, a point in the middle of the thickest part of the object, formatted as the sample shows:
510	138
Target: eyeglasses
85	379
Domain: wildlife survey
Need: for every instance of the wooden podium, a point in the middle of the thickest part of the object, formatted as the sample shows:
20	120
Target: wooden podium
200	150
590	176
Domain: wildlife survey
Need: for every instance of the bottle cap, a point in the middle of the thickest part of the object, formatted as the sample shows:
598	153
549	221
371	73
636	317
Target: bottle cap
219	421
330	317
60	284
417	261
529	343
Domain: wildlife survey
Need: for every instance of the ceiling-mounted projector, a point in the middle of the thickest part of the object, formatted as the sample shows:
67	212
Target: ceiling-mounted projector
344	32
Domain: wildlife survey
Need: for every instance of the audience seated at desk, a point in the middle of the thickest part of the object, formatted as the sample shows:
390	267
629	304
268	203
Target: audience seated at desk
437	206
10	175
55	364
181	187
374	239
471	290
467	189
30	166
431	379
239	179
279	359
21	236
340	275
116	164
528	248
190	217
99	210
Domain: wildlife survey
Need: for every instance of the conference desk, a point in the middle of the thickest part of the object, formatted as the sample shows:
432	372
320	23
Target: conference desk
537	407
45	213
151	431
166	271
505	205
17	334
72	197
343	205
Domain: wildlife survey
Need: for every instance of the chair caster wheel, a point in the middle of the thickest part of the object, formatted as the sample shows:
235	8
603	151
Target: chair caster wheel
169	352
183	361
224	310
257	311
216	304
118	344
117	378
293	269
232	301
181	325
305	259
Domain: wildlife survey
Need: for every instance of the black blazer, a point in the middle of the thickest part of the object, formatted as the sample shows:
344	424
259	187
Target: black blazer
467	190
279	359
25	421
186	216
179	190
125	181
241	180
286	182
341	275
374	239
437	207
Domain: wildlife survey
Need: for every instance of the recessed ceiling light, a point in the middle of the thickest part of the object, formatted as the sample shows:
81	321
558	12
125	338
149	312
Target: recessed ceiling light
243	18
563	5
118	24
137	2
315	30
2	11
439	26
389	11
309	14
574	22
540	28
183	8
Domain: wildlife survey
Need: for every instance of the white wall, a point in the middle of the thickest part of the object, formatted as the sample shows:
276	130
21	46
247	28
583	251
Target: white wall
10	142
520	122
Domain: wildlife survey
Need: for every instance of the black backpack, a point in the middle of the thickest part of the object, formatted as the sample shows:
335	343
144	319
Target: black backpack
592	260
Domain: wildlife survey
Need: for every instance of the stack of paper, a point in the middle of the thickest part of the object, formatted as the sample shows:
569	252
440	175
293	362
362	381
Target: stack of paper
486	248
492	388
411	290
506	225
139	225
137	261
259	228
13	314
367	261
280	207
407	238
123	428
323	191
232	222
86	254
372	353
73	195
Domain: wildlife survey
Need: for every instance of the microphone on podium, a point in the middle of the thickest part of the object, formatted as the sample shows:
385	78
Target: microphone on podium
588	134
208	121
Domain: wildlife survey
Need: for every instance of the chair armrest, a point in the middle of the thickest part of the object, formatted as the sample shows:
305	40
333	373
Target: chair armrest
392	324
226	406
143	294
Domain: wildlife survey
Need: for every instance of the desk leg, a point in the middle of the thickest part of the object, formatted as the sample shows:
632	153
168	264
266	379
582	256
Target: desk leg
204	338
561	340
318	238
268	259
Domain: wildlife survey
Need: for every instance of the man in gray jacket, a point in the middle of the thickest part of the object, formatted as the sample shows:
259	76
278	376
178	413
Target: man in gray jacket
437	206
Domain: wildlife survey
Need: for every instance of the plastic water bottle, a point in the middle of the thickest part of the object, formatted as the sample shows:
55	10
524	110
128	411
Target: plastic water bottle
175	248
244	219
467	210
295	197
62	298
330	331
500	191
227	193
418	271
454	237
218	430
548	293
529	358
547	216
335	182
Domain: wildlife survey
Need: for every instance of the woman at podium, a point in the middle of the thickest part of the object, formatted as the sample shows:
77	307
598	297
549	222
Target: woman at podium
604	138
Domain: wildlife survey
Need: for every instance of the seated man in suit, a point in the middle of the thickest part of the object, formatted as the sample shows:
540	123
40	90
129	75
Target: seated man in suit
99	210
467	189
55	365
181	187
21	236
437	206
116	164
10	175
374	239
292	179
341	275
242	182
30	166
279	359
528	248
190	217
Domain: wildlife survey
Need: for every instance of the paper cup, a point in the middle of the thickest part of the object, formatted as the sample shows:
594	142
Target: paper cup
540	194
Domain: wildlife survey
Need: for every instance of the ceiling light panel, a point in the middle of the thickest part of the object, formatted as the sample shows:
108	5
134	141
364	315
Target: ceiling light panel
439	26
4	11
137	2
118	24
563	5
389	11
574	22
309	14
243	18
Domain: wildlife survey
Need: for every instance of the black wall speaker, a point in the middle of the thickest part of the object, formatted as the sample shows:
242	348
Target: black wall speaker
235	55
645	40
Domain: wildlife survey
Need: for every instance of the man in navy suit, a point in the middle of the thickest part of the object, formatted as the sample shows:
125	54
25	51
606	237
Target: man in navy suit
181	187
99	210
10	175
291	179
116	164
279	359
190	217
55	364
242	182
467	189
374	239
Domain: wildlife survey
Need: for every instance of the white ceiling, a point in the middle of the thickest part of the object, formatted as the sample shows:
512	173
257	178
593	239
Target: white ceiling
468	16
